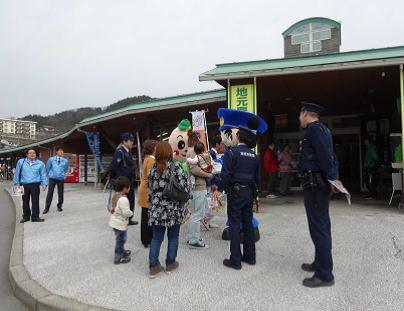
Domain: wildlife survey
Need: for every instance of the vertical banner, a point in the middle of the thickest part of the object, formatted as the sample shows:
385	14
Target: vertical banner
93	141
242	97
199	126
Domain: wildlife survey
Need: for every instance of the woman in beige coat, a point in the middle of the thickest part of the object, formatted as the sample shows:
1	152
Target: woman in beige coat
146	233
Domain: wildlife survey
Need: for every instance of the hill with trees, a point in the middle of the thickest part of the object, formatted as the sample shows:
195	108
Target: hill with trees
65	120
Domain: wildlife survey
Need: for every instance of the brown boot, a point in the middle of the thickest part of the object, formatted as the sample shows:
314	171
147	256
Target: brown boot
172	267
155	271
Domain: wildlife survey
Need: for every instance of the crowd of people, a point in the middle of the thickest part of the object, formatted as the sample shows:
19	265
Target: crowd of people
170	189
6	171
160	214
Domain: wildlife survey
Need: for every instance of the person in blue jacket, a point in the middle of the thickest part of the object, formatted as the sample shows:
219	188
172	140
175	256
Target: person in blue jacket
317	166
56	168
30	174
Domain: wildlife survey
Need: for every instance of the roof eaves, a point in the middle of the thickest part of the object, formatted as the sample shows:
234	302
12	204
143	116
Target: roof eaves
383	55
154	108
39	142
134	107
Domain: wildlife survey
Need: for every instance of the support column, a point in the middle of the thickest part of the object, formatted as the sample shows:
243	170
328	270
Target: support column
402	108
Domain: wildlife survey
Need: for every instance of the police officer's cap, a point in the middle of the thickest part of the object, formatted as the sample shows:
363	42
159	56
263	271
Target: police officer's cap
230	118
311	107
127	136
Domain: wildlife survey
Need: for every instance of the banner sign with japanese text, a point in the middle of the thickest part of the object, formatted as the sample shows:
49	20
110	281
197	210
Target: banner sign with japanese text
242	97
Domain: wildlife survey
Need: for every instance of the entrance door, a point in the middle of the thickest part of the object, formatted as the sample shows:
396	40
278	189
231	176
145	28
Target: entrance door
346	148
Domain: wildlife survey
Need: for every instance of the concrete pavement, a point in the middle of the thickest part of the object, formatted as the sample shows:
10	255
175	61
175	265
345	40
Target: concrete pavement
7	221
71	255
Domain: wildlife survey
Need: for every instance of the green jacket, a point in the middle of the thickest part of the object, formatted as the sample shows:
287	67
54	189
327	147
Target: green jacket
371	158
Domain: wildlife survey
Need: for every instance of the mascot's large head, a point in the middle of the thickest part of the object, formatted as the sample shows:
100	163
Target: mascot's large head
236	124
179	140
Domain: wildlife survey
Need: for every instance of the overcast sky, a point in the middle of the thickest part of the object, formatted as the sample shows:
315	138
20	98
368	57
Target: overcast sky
63	54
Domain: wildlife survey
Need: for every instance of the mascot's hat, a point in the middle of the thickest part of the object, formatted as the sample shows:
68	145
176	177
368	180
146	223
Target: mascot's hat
184	125
230	118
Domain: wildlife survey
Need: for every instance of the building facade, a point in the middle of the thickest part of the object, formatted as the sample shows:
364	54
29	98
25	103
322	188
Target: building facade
312	36
17	131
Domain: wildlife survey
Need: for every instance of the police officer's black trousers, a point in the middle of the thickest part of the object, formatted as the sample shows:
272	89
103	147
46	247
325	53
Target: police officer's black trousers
31	191
240	211
51	188
317	202
131	198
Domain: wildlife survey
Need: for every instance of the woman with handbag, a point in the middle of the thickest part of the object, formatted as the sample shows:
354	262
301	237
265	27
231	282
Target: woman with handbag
168	189
146	232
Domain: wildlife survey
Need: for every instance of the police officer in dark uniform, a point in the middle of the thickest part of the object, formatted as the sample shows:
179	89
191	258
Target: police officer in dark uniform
122	164
240	177
317	165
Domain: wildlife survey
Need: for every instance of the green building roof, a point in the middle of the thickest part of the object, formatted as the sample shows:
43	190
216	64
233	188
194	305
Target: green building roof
344	60
192	99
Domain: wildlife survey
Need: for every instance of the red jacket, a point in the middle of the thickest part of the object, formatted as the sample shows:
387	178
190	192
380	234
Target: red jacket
271	163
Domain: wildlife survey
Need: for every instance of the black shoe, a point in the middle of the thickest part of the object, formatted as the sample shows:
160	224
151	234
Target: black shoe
24	220
45	211
250	262
308	267
121	259
37	220
229	264
132	222
60	209
126	253
316	282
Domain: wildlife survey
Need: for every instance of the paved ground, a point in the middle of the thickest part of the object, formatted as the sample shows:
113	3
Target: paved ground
71	254
7	218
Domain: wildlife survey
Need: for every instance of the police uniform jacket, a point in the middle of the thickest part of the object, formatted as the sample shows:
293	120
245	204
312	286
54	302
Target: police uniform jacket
240	165
122	163
317	153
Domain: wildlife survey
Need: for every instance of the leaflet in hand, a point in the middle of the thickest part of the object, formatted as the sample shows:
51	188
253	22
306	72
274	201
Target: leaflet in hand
340	187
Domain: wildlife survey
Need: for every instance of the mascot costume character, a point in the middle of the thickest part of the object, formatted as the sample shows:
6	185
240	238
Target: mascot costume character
252	126
179	142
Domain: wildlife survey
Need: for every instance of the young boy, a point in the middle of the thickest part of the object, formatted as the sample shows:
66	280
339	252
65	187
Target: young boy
119	220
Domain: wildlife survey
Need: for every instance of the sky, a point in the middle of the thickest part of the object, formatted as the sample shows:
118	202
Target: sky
57	55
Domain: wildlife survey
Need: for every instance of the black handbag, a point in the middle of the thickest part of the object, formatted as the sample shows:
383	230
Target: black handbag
173	190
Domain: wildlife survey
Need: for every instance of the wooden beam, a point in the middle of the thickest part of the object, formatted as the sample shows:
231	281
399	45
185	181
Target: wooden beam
109	140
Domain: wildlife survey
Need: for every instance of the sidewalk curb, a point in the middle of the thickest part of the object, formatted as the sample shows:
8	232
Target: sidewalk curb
27	290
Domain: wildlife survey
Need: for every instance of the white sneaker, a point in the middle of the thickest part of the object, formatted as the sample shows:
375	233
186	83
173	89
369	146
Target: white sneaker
199	245
271	196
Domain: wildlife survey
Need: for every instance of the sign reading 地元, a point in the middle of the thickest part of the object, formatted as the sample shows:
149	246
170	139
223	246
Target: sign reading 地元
242	97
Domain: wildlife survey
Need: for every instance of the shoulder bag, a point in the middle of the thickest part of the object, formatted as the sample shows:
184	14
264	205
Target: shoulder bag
173	190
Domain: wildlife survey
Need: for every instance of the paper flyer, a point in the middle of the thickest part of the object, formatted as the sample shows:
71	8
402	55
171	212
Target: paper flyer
342	189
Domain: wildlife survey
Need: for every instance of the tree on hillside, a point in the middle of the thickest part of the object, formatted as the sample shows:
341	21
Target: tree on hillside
65	120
